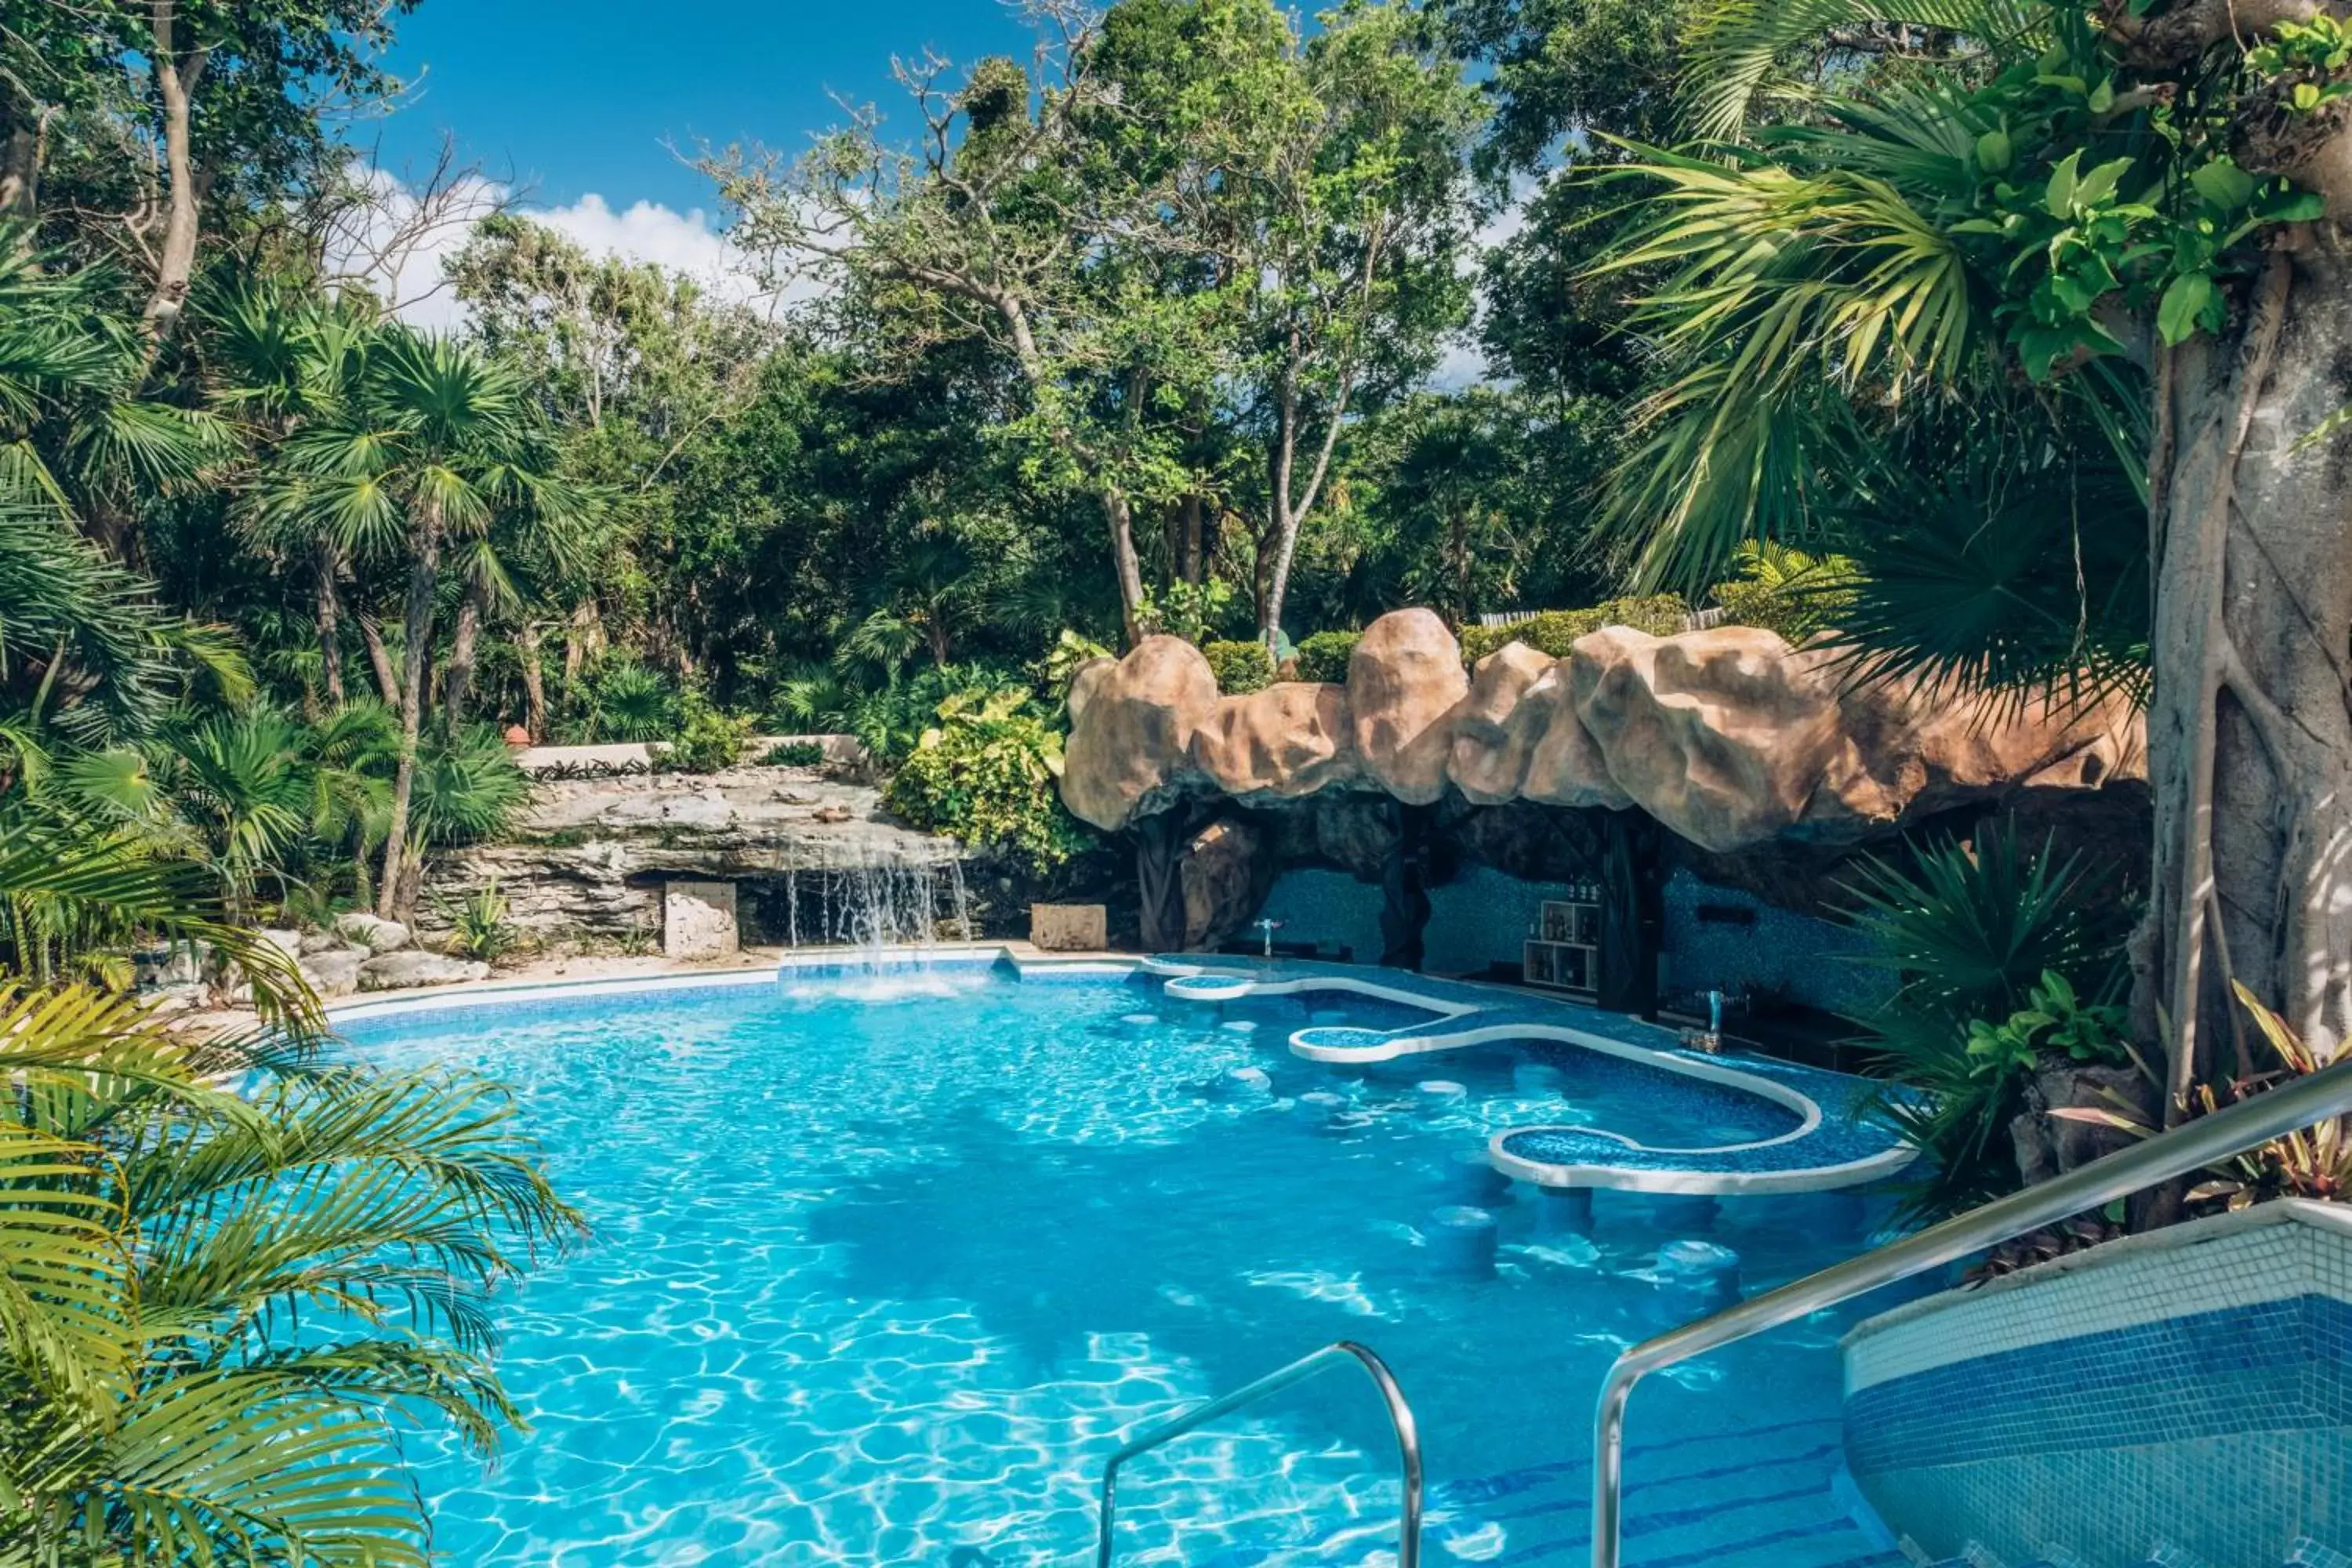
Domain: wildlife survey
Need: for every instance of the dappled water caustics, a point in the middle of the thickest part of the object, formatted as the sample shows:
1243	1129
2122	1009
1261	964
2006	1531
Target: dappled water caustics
884	1281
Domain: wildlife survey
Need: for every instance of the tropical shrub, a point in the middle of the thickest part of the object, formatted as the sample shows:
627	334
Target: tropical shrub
1194	611
1555	631
1323	656
1072	652
794	754
988	773
478	928
2316	1162
468	787
1974	943
1241	667
1786	591
626	701
709	740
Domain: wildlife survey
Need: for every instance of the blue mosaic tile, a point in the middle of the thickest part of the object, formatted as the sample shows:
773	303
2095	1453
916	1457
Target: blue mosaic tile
1850	1142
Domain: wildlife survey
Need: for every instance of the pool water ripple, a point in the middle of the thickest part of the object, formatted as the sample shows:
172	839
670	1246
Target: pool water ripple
883	1279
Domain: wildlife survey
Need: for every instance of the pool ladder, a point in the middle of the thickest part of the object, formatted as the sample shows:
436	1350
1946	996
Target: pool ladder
2177	1151
1408	1438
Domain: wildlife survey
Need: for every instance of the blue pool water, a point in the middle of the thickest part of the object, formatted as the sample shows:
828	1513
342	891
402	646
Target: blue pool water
881	1277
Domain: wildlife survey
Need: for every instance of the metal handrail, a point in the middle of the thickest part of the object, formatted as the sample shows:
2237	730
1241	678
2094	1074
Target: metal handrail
1400	1418
2149	1163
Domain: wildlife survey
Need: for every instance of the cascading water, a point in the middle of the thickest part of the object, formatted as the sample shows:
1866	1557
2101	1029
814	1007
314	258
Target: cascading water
891	911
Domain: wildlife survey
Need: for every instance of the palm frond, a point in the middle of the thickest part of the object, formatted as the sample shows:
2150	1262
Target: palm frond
1737	47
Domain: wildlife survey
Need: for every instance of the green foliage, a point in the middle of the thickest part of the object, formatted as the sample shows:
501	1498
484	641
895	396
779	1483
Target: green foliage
988	772
1974	940
2303	57
166	1241
1555	631
1786	591
478	928
468	787
626	701
1194	611
794	754
2054	1023
709	740
1323	656
1072	652
1241	667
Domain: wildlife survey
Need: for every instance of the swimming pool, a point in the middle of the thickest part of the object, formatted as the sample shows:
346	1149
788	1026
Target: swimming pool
882	1273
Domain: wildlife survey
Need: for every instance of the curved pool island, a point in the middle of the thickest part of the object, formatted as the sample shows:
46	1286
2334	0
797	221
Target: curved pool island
1835	1137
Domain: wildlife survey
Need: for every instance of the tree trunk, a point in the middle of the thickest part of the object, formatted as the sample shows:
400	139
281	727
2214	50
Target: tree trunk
21	157
331	628
416	657
2249	730
463	644
1121	518
534	683
387	684
176	75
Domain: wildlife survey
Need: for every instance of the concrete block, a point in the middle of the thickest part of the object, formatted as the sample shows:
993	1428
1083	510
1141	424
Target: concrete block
699	919
1069	928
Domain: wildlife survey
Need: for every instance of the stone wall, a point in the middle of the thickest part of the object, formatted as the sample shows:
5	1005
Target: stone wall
592	857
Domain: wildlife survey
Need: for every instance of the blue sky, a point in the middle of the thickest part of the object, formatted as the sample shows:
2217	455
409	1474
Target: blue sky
576	98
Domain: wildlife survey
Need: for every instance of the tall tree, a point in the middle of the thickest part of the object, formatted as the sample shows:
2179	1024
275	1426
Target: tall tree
2136	212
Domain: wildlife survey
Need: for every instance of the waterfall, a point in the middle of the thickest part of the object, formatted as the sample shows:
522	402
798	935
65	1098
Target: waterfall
880	904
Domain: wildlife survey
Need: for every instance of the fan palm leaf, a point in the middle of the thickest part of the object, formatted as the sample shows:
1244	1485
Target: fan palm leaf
1736	47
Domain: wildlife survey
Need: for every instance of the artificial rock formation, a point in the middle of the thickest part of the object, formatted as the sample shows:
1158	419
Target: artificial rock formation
1728	737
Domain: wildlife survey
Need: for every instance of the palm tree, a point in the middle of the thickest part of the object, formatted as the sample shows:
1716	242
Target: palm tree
76	433
432	444
275	361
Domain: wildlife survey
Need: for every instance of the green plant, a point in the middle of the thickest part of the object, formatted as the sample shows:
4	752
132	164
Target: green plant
468	787
176	1392
478	928
628	702
2310	52
988	772
1786	591
2055	1023
1555	631
2316	1162
709	739
1072	652
1969	935
1240	668
1323	656
794	754
1194	611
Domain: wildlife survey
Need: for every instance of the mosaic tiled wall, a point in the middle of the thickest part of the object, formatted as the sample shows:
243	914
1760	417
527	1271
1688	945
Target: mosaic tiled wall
2192	1389
1482	917
1790	955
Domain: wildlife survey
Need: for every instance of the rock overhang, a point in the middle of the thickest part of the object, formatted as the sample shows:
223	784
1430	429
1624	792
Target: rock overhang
1728	737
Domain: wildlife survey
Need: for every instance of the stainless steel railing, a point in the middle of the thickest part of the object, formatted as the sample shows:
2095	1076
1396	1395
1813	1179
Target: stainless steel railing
2188	1147
1399	1419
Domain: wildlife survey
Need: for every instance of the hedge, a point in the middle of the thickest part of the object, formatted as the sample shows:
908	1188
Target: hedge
1555	631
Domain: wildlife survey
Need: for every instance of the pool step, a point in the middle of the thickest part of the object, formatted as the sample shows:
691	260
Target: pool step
1692	1506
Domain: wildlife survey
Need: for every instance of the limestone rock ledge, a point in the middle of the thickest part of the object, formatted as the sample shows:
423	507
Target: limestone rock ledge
1728	737
591	856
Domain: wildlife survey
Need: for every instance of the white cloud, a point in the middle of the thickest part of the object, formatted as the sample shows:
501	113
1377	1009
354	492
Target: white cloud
1465	363
397	244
